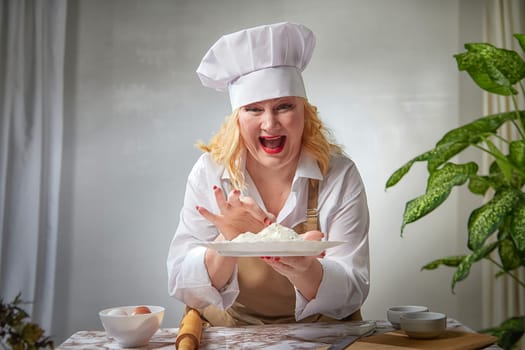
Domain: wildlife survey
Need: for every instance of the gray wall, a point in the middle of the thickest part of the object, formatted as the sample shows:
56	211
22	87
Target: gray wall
385	82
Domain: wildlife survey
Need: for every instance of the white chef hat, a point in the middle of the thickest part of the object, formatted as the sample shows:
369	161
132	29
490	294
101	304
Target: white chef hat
259	63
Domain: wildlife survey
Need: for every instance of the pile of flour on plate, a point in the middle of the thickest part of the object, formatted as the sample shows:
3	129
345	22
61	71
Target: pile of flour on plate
272	233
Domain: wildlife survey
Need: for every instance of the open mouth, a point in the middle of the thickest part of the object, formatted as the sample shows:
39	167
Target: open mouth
272	144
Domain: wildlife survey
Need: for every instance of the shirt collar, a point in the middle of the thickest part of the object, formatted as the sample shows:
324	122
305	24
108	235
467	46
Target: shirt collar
308	167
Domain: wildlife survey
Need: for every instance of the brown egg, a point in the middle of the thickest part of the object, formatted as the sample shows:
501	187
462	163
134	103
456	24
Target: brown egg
141	310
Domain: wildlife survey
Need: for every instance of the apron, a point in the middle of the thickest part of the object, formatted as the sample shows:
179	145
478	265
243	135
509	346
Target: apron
266	296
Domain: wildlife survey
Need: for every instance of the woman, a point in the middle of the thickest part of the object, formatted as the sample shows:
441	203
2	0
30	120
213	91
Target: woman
271	161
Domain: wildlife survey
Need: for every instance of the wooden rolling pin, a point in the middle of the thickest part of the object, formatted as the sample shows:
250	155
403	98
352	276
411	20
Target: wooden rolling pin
190	329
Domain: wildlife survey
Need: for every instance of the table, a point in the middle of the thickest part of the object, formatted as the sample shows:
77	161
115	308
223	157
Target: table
269	337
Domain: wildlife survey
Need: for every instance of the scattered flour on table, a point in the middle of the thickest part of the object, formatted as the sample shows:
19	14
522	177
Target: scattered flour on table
272	233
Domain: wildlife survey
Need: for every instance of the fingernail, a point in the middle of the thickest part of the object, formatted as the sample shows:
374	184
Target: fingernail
236	192
276	258
215	187
323	254
197	207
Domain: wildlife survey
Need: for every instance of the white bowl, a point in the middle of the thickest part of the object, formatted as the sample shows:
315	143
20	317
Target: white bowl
423	325
394	313
131	330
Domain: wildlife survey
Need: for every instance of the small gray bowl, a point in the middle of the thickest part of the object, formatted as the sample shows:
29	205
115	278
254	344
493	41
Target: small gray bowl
423	325
394	313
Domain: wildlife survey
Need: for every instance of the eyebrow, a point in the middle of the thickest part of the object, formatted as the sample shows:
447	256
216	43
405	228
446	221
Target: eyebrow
287	99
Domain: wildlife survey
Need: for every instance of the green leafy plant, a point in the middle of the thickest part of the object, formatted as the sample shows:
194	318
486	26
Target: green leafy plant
16	332
496	230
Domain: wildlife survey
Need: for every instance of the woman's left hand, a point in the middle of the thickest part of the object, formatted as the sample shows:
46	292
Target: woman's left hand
305	272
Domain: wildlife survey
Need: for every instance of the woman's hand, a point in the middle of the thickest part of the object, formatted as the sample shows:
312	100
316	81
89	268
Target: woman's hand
237	215
305	272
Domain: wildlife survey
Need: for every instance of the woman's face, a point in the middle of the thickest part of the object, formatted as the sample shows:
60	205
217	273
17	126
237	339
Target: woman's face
272	131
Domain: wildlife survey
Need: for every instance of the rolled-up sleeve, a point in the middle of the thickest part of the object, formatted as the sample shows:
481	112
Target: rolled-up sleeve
188	278
345	283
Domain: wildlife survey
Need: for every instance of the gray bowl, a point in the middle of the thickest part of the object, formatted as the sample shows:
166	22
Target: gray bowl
423	325
394	313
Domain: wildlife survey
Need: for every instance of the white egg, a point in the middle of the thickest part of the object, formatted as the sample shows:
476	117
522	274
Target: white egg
117	312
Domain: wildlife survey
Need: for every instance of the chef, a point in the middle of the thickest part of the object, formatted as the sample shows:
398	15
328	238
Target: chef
272	161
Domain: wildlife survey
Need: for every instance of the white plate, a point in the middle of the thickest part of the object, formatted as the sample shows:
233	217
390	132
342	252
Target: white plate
275	248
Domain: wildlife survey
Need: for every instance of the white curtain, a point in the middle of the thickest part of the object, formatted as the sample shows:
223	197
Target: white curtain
502	297
32	40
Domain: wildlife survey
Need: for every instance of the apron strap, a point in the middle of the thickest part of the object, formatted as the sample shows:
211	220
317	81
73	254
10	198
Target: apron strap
312	219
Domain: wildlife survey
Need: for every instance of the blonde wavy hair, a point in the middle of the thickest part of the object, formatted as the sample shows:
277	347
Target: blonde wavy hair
226	146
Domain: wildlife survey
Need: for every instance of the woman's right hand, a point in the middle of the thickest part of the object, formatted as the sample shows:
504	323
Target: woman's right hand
237	214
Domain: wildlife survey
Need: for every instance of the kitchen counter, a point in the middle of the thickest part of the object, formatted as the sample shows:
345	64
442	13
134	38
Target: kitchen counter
289	336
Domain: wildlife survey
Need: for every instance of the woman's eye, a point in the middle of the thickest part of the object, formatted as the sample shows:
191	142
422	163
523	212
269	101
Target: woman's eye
253	109
285	107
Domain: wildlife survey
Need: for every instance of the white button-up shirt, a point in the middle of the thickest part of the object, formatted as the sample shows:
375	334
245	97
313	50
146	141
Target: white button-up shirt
343	216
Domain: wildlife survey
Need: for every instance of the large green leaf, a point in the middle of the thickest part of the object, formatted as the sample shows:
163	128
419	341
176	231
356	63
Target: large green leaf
521	40
464	266
493	69
517	153
399	173
484	220
455	141
445	152
496	176
451	261
479	184
451	175
517	226
439	185
508	255
501	160
476	131
509	332
422	205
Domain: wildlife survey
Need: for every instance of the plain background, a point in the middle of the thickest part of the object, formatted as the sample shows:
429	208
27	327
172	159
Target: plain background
383	77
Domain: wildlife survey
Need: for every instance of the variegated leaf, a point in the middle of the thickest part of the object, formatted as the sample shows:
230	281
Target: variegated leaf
479	184
463	269
508	255
508	332
484	251
422	205
440	183
399	173
451	175
493	69
456	140
474	132
517	152
485	220
443	153
501	160
517	226
521	40
451	261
